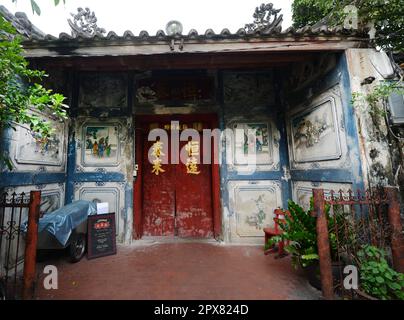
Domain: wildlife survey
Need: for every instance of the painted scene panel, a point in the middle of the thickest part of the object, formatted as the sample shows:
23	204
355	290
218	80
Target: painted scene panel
101	145
315	134
252	145
254	210
32	148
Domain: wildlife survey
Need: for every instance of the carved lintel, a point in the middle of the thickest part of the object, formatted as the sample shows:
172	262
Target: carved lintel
84	24
266	20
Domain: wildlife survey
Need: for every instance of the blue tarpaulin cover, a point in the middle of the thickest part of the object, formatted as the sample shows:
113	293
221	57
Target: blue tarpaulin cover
62	221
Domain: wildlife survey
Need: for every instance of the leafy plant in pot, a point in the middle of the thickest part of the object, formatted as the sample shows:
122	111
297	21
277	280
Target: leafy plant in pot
299	228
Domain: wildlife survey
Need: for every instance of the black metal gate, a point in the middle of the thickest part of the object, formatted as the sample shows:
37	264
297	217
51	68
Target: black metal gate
17	212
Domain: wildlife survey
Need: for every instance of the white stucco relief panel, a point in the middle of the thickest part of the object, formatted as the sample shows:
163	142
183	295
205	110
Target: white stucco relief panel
112	193
316	133
30	152
303	190
251	205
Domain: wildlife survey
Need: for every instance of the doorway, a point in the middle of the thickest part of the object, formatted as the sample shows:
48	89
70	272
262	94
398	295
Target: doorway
176	189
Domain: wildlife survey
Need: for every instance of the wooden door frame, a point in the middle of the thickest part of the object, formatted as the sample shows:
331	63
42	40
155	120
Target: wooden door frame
212	119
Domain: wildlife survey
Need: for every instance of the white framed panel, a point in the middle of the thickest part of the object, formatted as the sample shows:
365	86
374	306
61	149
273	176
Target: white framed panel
316	133
251	205
111	192
252	146
31	152
100	145
303	190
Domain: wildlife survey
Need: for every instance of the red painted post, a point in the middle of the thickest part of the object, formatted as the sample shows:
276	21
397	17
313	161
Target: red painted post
31	244
397	237
323	245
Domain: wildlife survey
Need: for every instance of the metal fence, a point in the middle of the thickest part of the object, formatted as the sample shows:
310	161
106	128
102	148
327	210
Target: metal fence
346	221
19	214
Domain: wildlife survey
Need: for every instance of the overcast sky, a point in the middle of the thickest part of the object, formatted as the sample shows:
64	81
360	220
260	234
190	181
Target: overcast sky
149	15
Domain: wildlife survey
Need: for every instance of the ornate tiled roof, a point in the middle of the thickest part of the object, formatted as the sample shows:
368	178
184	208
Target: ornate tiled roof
272	29
210	34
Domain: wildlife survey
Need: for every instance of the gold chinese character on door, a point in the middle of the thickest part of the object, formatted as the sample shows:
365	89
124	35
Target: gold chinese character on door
192	147
157	153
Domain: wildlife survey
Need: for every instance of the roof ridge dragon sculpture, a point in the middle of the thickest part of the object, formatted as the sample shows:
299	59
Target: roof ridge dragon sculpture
84	24
266	19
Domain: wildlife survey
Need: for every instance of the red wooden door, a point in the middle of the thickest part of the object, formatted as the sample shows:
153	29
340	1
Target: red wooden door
178	200
158	194
194	216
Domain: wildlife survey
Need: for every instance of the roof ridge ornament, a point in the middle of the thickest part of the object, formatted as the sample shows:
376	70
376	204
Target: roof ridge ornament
174	28
84	24
266	20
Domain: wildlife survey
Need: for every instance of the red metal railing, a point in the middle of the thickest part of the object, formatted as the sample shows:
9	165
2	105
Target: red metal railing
18	248
371	217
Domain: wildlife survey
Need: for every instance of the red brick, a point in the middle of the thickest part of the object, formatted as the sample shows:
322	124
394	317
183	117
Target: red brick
180	271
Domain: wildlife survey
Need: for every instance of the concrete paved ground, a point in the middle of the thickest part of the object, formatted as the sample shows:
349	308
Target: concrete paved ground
178	270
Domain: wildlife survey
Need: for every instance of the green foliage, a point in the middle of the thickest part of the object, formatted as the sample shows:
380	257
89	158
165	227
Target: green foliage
19	91
300	230
309	12
35	7
377	278
374	100
387	16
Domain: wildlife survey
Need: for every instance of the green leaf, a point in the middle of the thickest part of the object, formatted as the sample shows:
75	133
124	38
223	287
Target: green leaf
379	279
394	286
35	8
312	256
57	2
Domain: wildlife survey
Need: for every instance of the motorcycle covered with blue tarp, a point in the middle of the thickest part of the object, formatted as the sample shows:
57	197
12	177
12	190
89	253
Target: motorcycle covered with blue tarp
66	227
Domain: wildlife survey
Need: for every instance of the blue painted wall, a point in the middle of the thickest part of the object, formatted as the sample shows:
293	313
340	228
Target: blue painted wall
338	76
274	109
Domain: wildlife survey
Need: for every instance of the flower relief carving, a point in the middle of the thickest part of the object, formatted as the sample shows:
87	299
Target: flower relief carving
310	132
84	24
266	19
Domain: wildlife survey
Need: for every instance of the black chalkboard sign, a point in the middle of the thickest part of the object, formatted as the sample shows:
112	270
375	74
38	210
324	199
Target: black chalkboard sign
101	235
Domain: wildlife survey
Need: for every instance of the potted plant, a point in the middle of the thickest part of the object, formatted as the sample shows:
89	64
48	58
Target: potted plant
299	228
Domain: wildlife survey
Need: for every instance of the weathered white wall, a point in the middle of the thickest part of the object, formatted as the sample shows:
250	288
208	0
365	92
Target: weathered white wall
112	169
250	193
372	133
